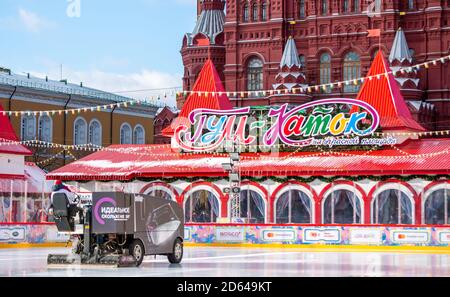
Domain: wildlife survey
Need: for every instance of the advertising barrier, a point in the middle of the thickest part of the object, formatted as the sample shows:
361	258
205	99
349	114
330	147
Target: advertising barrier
342	235
31	233
264	234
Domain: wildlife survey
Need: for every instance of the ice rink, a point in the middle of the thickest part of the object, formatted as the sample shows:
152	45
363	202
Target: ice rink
241	262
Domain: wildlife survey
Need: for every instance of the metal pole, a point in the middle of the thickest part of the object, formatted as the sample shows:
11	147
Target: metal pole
235	196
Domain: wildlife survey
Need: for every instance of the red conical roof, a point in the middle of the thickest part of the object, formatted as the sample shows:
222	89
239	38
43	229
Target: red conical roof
208	81
7	134
384	95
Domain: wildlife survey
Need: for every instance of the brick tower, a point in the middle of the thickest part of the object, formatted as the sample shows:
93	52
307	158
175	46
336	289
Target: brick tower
205	42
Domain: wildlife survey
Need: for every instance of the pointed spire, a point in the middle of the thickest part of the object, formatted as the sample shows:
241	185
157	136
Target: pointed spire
290	55
400	50
211	21
205	94
383	93
290	75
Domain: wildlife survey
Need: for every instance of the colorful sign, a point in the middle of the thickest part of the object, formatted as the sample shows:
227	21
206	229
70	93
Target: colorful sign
313	235
402	236
103	212
444	237
365	236
298	126
231	234
12	234
253	234
279	235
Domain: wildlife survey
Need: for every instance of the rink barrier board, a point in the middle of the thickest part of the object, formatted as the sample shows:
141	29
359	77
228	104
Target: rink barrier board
260	235
348	235
330	248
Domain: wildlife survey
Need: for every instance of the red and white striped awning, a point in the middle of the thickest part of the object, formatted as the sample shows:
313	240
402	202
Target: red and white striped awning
127	162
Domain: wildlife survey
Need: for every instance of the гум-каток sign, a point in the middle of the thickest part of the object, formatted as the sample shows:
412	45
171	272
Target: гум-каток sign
297	126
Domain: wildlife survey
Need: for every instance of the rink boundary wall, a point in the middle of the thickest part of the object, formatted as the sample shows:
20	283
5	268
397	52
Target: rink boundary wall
303	236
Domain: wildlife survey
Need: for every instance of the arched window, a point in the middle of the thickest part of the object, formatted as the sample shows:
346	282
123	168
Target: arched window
392	207
28	127
302	10
245	13
342	207
345	6
293	207
253	208
45	128
352	71
160	193
302	60
325	69
139	135
356	5
324	7
264	11
80	131
255	12
437	207
255	75
125	134
201	207
95	133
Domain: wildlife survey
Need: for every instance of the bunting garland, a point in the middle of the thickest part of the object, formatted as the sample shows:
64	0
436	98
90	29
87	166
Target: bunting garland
242	94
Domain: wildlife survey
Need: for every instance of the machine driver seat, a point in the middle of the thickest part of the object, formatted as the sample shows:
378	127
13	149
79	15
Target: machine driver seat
64	213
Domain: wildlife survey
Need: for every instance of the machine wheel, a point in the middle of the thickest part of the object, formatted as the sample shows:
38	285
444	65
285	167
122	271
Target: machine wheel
137	251
177	255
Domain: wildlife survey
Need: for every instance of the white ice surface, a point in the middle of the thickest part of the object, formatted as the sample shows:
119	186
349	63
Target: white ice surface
241	262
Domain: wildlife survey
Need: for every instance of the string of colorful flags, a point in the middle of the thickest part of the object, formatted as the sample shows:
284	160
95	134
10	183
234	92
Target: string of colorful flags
243	94
325	87
257	156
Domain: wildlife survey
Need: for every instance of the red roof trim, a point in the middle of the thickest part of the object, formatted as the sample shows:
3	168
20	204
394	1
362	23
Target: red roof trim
12	176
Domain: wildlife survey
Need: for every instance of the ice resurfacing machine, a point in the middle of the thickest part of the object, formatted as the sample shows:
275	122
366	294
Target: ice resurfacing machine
119	229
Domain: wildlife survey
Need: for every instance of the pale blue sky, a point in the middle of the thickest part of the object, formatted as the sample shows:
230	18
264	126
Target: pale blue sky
114	44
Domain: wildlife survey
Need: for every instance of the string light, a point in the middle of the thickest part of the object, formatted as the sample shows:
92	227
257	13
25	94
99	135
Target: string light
242	94
338	84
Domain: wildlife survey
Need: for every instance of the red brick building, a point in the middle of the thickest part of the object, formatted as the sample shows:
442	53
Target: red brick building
163	119
246	41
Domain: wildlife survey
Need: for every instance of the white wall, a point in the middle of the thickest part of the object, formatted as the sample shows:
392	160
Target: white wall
12	164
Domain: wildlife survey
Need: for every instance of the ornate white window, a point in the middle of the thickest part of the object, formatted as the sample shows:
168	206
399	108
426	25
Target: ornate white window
325	69
245	14
139	135
302	9
352	71
45	128
255	75
80	131
255	12
28	127
253	207
294	207
95	132
202	206
437	206
342	206
392	207
264	11
125	134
